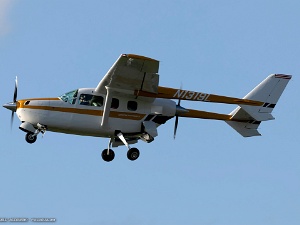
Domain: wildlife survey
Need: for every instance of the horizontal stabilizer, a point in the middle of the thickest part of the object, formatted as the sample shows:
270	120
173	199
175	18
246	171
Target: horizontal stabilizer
244	128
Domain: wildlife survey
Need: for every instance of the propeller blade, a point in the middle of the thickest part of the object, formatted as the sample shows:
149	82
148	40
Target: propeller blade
16	90
175	127
176	118
12	120
12	106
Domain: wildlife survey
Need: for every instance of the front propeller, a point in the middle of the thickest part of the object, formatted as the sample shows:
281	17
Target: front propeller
13	105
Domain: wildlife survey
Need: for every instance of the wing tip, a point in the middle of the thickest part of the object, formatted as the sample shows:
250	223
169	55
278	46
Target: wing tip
283	76
134	56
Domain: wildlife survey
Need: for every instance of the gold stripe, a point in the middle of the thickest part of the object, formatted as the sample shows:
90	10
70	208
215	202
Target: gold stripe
43	99
91	112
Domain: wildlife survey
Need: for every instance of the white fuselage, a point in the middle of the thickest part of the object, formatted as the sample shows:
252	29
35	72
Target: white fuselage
80	115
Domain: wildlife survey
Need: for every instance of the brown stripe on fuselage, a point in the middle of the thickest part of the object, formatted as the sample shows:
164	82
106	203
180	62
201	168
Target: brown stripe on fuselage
90	112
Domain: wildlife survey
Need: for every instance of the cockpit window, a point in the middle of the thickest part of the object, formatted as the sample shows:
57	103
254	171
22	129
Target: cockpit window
91	100
69	97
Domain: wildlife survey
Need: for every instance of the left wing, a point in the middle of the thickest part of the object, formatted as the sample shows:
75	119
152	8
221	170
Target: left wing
131	73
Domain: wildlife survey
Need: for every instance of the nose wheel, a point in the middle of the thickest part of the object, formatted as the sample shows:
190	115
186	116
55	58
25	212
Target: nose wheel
30	137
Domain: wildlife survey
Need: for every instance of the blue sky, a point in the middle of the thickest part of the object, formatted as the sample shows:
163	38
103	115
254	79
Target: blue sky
209	175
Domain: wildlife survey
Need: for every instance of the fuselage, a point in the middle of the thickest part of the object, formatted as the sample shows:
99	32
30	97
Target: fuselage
80	112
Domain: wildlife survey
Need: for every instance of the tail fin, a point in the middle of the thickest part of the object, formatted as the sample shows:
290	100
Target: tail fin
269	92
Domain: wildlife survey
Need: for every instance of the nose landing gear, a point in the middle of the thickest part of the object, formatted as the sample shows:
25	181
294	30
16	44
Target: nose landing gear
31	137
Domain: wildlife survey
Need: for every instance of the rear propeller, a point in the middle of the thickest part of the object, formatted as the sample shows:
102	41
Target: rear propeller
179	111
176	118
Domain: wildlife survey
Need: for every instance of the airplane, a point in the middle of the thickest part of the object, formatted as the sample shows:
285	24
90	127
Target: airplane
128	105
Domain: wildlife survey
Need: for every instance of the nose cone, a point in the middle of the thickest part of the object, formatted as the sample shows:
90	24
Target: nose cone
11	106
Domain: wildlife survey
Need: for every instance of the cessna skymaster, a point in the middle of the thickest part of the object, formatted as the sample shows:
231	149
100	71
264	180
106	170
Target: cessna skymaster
128	105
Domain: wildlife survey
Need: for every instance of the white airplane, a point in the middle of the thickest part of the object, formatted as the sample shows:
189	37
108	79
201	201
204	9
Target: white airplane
128	105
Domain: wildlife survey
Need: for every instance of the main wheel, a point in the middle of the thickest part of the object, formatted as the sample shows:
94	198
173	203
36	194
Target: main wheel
30	138
108	157
133	154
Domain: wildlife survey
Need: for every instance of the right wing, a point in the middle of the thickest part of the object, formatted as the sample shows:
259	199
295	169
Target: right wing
131	73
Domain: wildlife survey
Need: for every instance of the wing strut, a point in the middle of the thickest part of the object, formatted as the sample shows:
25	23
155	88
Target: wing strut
107	105
142	84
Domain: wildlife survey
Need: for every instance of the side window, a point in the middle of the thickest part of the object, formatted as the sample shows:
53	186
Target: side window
91	100
97	101
114	103
132	105
85	99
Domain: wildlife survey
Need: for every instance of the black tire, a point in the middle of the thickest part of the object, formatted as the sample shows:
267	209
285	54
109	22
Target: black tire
108	157
133	154
30	138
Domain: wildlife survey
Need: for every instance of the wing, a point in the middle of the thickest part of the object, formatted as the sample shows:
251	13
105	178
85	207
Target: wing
131	73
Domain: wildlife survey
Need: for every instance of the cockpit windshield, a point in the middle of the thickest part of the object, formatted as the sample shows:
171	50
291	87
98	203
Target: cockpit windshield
69	97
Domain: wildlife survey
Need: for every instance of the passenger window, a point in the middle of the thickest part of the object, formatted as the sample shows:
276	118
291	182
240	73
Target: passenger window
132	105
114	103
97	101
91	100
85	99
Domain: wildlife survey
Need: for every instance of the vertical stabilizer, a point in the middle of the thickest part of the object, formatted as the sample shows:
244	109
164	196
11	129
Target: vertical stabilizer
268	92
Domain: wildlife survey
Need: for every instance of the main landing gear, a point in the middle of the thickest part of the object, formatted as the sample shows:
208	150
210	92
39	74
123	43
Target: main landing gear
108	154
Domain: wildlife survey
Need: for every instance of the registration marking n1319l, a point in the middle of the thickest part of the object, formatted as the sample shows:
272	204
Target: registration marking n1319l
191	95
